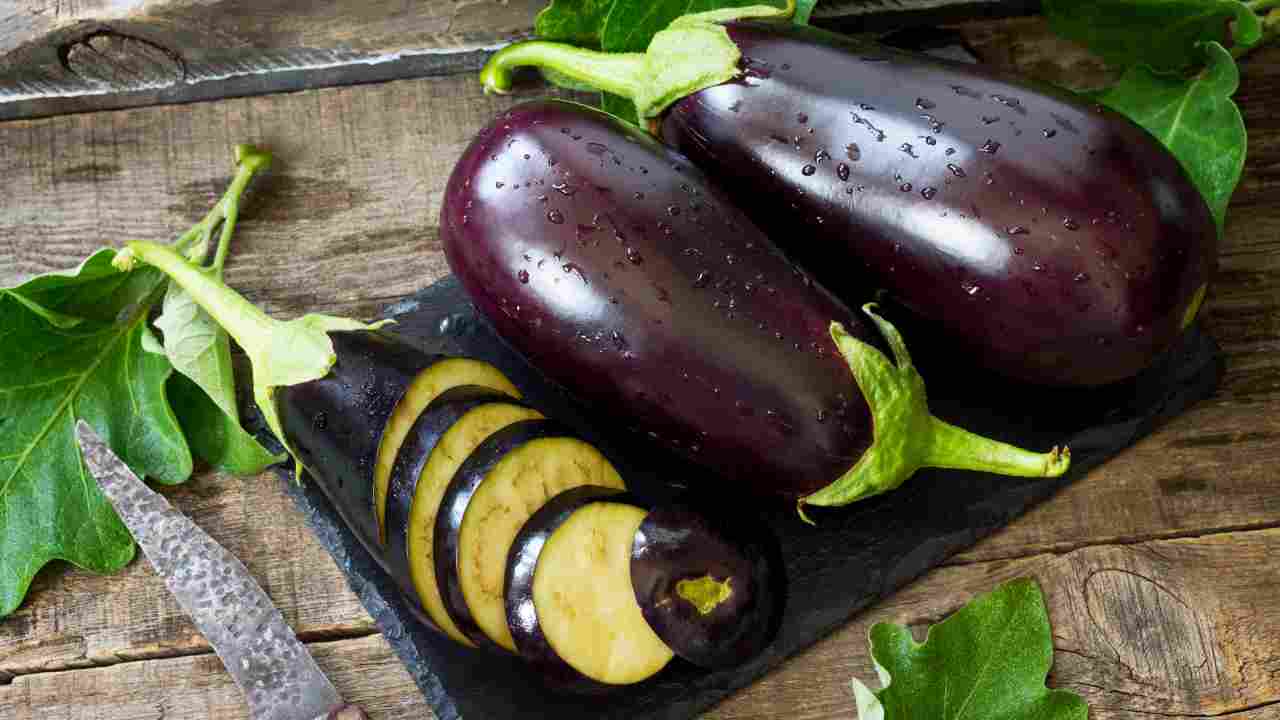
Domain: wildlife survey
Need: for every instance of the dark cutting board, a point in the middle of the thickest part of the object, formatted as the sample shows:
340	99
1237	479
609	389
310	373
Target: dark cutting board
854	556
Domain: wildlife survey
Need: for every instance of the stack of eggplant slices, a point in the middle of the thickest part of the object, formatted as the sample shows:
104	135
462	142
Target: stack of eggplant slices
696	283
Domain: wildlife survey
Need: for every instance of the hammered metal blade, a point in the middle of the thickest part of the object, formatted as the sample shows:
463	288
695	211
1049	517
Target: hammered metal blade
277	674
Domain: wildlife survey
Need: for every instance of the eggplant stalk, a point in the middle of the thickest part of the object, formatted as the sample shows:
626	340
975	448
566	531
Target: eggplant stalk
280	353
907	436
692	53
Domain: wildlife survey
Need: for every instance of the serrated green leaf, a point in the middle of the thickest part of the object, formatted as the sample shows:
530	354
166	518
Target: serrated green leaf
987	661
1195	117
214	436
1162	34
91	291
96	370
578	22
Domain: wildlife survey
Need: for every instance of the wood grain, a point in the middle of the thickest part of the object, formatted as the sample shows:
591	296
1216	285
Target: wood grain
60	57
1168	628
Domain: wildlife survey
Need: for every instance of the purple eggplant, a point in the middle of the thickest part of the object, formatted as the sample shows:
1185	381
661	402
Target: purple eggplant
621	273
1053	239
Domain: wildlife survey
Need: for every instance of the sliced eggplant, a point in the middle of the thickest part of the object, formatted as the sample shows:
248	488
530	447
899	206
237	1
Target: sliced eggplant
426	386
711	592
571	605
336	424
468	431
504	481
427	431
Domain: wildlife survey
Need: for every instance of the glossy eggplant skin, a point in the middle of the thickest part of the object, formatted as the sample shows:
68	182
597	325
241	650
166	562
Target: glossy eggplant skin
427	430
522	562
676	545
453	508
622	274
335	424
1055	240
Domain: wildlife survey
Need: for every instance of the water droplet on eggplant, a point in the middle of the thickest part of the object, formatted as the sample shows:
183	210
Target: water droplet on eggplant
555	216
991	147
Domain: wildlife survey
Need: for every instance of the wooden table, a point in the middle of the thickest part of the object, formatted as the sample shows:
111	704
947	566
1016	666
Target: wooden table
1161	569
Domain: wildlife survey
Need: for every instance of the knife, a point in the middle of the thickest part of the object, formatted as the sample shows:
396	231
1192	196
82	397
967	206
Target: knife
279	678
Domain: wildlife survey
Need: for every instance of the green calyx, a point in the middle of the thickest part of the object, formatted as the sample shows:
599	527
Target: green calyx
906	436
694	52
281	353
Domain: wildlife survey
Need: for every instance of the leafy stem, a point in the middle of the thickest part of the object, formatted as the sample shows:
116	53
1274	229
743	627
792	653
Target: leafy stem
194	243
1262	6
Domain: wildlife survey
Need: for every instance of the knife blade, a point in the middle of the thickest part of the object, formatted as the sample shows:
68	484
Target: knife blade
275	671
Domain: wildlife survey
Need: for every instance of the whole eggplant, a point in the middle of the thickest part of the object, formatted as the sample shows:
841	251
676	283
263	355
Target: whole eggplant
1053	238
621	273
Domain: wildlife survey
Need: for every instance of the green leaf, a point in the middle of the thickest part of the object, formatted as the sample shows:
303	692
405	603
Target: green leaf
804	9
633	23
1162	34
92	291
620	107
989	660
197	347
1195	117
579	22
201	352
216	437
54	374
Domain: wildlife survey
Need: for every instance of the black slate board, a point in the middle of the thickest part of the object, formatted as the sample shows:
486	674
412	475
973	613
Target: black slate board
854	556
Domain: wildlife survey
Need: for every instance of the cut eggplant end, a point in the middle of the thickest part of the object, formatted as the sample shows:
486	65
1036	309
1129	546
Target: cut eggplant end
426	386
431	426
712	592
457	443
522	481
584	598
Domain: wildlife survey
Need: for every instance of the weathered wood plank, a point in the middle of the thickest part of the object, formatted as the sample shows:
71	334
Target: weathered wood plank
1174	628
63	57
77	619
364	670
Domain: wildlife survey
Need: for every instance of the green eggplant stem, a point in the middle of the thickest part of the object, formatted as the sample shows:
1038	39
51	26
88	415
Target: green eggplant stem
617	73
244	322
906	436
692	53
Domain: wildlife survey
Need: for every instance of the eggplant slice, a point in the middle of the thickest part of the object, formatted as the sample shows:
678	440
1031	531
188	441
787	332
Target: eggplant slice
711	592
426	386
336	424
571	600
434	422
454	446
496	489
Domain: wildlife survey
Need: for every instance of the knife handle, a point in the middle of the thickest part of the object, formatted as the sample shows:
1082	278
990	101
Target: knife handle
346	712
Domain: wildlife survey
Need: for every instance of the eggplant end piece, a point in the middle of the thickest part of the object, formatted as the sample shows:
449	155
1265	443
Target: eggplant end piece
906	436
711	590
